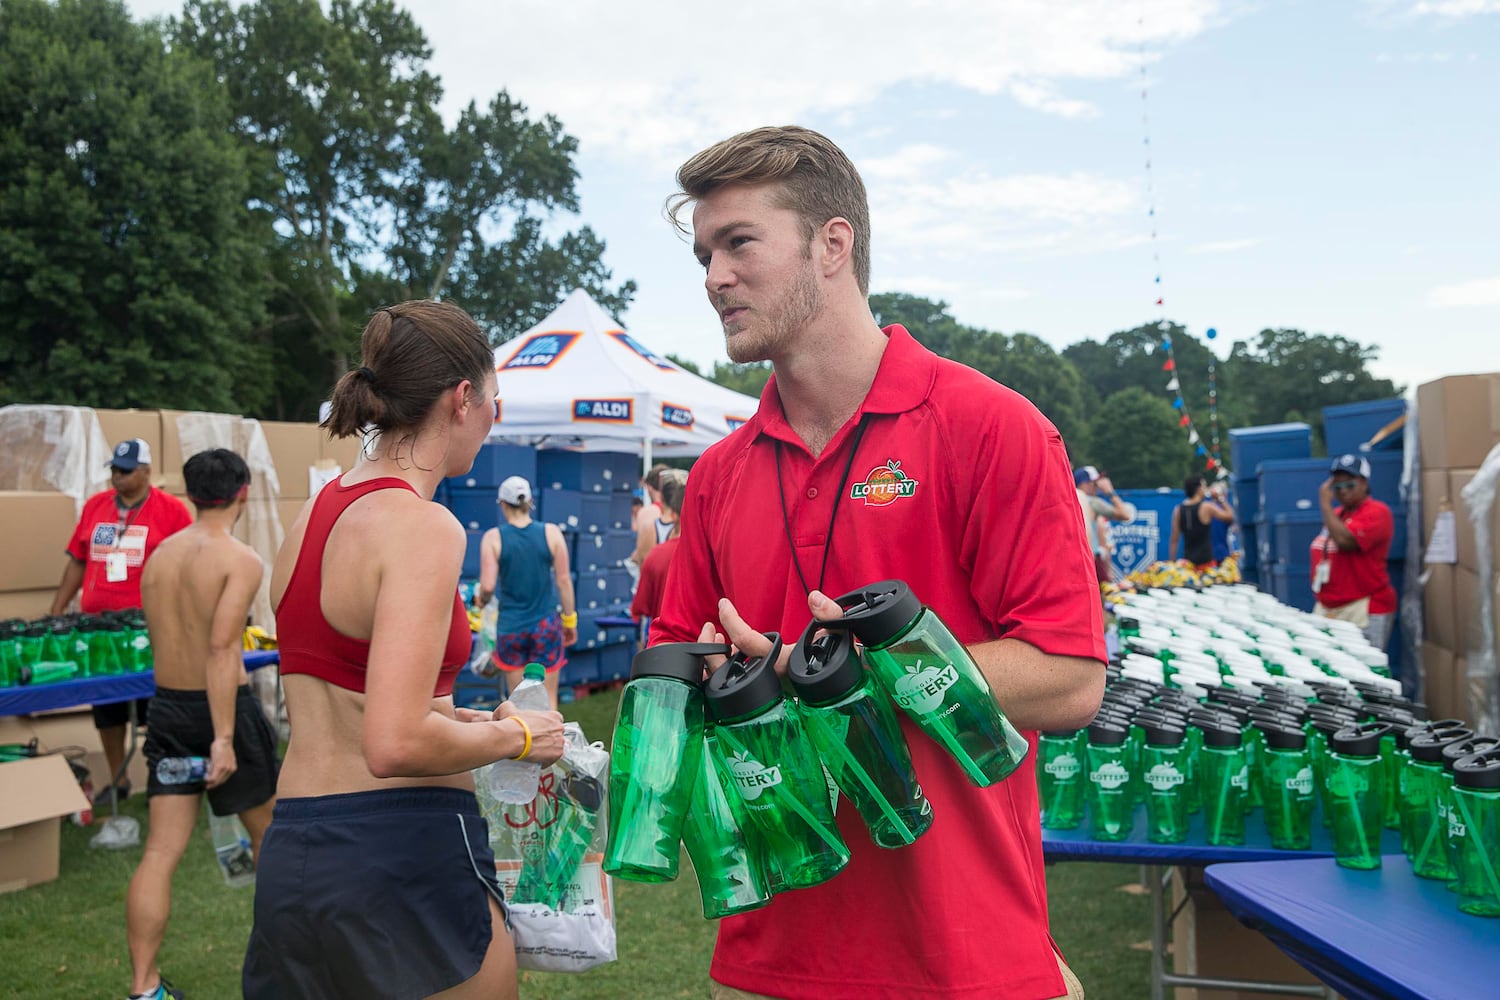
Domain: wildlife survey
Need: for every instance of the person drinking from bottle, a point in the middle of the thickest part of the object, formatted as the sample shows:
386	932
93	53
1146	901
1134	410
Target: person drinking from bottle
871	458
376	878
196	591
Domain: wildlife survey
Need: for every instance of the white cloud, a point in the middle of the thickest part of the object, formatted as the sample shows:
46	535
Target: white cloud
1225	246
1457	8
1480	292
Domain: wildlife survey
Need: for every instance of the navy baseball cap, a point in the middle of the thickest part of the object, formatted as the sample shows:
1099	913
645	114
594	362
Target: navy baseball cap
128	454
1087	474
1354	465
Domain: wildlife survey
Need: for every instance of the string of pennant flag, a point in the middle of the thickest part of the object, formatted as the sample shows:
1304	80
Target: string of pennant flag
1206	449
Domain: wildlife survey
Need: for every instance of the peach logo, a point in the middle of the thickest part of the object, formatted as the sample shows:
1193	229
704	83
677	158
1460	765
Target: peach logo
885	484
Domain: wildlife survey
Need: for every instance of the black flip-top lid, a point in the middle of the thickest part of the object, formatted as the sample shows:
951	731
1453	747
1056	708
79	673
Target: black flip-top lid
1463	748
1394	714
1218	735
1225	695
745	685
681	661
1165	733
1283	737
1272	692
1060	734
878	613
1107	734
1427	747
1478	770
1329	723
824	668
1362	740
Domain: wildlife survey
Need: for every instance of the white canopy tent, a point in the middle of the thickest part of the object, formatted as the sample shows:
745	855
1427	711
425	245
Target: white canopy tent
578	380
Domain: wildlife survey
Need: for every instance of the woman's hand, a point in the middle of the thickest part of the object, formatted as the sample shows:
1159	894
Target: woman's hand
546	732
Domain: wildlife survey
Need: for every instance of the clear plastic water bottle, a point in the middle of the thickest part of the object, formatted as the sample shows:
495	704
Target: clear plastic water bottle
515	781
232	847
181	770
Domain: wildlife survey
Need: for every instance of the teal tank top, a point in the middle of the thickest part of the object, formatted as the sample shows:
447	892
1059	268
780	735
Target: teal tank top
527	588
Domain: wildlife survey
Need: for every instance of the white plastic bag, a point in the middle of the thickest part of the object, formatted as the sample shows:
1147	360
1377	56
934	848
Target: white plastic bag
549	855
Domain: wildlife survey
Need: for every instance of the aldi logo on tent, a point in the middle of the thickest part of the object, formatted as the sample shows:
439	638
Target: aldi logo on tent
635	346
676	416
540	350
604	411
735	423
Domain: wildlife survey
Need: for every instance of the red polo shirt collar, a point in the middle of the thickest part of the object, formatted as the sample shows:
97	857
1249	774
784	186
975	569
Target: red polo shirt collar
903	382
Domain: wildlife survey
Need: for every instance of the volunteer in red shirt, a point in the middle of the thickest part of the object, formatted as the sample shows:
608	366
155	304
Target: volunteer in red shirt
1348	557
648	593
117	533
871	458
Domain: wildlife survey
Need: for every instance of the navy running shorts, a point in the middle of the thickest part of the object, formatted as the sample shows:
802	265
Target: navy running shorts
371	894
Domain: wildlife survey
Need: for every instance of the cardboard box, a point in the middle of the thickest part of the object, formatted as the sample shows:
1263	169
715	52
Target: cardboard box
343	452
1463	699
34	796
121	425
1439	617
167	471
1459	420
1207	940
287	511
1435	498
40	525
28	603
295	448
74	727
1438	681
1468	554
1468	627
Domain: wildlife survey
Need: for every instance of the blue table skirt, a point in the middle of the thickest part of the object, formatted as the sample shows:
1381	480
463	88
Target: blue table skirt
100	690
1375	935
1077	845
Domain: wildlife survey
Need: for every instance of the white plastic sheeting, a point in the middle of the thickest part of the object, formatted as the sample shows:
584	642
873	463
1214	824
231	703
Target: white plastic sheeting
1483	691
53	449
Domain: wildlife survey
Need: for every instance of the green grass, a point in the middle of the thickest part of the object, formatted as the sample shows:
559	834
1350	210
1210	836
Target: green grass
66	939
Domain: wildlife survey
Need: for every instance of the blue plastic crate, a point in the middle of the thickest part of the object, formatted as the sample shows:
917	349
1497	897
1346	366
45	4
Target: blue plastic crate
592	590
496	463
590	552
1386	468
582	667
615	661
586	513
1347	427
620	510
1249	545
1250	446
1399	535
587	471
1244	493
471	554
1293	535
1250	576
1292	585
1290	484
1265	543
475	508
619	543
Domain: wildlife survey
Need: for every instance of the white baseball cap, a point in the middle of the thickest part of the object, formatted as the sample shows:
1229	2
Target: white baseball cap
515	491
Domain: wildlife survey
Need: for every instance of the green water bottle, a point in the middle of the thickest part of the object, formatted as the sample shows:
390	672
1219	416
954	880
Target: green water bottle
1476	823
1166	779
1424	787
78	645
48	672
763	754
1452	754
10	651
730	865
1320	728
104	654
1060	778
931	677
855	730
1287	787
655	761
1224	779
1356	795
138	642
1111	815
57	643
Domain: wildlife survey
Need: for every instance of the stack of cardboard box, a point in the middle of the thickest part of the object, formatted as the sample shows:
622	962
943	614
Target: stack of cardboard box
1459	424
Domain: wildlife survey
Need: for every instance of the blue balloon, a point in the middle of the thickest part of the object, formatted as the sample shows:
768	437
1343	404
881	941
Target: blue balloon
1212	333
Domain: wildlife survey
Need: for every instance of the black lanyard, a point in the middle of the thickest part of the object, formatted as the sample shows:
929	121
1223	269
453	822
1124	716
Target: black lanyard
786	521
122	524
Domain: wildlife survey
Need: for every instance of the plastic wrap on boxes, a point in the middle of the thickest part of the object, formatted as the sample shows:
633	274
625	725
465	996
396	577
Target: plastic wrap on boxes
53	449
1479	506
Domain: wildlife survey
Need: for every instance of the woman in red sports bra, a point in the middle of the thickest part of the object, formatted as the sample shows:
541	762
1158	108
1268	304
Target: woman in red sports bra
376	877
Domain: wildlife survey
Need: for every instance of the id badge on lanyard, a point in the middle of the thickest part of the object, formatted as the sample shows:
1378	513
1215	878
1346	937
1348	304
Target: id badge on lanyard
114	567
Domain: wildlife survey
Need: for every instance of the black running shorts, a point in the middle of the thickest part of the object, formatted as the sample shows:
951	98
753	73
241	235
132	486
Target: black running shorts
181	726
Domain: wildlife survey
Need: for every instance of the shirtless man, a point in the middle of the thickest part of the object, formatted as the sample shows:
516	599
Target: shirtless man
196	592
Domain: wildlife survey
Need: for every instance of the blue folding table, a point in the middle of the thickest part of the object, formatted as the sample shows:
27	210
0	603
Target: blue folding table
1371	935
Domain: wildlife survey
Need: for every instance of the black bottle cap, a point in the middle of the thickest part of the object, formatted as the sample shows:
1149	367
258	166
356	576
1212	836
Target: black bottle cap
824	668
1463	748
1283	737
1478	770
1329	724
1428	746
1221	736
745	685
878	613
1060	734
1272	692
1361	740
1107	734
1225	695
1139	684
681	661
1112	717
1165	734
1418	708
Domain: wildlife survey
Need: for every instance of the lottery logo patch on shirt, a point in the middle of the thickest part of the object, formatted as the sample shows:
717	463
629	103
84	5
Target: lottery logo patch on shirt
883	485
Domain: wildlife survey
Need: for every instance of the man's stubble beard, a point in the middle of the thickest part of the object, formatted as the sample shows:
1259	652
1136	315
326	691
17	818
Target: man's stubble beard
801	304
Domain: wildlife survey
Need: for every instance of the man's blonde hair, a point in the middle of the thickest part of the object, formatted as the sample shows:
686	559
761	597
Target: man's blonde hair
813	177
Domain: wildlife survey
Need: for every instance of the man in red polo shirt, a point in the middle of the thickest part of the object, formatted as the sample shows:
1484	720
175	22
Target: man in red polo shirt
975	509
1348	557
117	533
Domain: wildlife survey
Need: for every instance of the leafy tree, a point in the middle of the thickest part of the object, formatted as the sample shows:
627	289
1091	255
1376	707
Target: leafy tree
1136	437
373	198
129	263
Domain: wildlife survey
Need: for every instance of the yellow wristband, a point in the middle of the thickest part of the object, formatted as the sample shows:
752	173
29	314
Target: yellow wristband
570	621
526	748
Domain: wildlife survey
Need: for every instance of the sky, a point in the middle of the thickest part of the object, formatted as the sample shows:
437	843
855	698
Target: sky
1326	165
